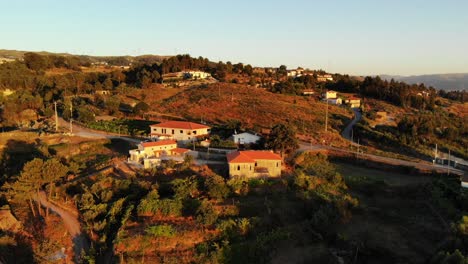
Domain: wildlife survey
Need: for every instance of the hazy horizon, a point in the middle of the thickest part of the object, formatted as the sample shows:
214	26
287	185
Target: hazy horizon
359	38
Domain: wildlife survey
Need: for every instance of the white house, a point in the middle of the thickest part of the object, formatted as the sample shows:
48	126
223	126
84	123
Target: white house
179	130
329	94
245	138
335	101
464	181
353	102
324	78
308	92
196	75
150	154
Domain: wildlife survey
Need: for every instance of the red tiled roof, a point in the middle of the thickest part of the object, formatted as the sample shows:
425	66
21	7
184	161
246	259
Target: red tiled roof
158	143
180	125
180	150
250	156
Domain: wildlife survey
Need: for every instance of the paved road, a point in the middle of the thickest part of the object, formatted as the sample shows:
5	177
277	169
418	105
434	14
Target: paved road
304	146
71	224
90	133
347	132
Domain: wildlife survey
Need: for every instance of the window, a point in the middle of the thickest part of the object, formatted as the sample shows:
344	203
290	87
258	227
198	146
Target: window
181	131
172	131
255	164
238	167
194	132
277	164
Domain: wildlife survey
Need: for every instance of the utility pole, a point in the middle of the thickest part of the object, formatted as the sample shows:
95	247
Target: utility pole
326	113
71	116
56	117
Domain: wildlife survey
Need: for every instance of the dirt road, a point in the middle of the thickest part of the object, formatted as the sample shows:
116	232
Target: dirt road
71	223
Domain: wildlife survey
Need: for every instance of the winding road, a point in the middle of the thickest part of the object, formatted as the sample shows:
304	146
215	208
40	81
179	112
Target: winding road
347	132
71	224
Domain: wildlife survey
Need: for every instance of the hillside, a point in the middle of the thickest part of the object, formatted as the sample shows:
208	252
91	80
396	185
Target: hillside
254	108
448	82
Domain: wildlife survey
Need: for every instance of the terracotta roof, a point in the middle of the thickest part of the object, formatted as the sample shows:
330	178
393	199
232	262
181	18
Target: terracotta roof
250	156
180	125
180	150
158	143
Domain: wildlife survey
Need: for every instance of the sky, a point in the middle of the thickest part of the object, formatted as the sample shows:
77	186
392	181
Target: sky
358	37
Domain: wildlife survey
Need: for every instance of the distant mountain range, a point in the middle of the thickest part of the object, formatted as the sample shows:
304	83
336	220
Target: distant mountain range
448	82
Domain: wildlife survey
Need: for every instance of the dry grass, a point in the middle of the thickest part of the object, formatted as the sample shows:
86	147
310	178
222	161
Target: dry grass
253	107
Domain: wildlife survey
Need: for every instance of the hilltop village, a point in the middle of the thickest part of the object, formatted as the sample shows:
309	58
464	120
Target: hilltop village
175	159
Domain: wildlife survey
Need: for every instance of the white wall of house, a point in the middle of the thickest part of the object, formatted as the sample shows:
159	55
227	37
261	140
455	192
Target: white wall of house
180	134
245	138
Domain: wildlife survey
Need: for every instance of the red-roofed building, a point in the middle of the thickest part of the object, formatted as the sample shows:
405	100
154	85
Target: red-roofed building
353	102
150	154
179	130
254	163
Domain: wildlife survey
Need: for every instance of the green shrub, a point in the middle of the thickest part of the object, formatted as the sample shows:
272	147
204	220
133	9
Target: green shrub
216	187
206	215
161	231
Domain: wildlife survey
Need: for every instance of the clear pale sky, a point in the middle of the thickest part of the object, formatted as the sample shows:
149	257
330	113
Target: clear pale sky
355	37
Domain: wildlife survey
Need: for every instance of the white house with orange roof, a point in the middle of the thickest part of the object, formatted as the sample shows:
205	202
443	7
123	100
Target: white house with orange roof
254	163
179	130
353	102
150	154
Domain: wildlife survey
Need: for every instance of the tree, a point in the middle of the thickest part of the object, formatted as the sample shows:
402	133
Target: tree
35	61
282	138
140	108
35	175
216	187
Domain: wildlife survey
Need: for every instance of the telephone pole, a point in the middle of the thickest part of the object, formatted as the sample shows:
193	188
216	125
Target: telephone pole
56	117
326	113
71	116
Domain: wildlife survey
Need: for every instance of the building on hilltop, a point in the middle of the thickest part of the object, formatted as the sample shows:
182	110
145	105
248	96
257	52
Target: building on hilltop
196	75
179	130
353	102
324	78
254	164
329	94
308	92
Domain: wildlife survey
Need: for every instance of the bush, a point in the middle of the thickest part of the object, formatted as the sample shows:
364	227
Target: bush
161	231
216	187
206	215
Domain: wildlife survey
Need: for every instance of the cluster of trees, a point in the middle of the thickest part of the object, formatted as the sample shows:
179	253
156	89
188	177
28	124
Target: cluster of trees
37	62
461	96
398	93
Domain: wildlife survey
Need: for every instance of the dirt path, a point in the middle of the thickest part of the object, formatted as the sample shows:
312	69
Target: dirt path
71	223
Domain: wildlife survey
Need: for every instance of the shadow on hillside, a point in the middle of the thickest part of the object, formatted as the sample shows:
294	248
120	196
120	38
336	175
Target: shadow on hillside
16	153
